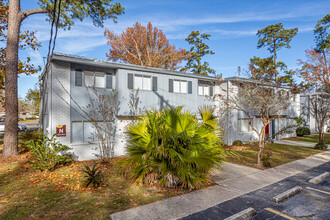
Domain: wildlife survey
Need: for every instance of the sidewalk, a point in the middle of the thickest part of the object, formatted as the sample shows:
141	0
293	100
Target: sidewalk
296	143
233	181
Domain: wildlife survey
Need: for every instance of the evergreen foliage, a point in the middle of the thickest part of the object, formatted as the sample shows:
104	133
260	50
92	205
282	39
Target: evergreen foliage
198	50
173	148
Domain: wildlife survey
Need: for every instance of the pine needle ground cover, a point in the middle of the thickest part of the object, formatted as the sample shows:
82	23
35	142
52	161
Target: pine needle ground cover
278	154
26	193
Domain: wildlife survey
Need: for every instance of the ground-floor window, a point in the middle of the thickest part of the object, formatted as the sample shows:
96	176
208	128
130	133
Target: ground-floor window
243	125
82	131
85	131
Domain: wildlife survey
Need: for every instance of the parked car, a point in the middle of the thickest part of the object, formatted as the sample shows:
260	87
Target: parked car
20	127
2	117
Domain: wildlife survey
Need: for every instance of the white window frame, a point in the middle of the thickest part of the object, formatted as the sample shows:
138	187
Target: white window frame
93	140
180	86
203	89
94	78
142	86
239	125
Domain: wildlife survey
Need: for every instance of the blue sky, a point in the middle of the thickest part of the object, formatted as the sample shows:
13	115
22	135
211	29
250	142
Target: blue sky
232	25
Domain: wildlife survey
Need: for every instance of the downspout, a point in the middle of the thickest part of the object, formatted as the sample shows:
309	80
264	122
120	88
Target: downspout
227	113
51	102
40	123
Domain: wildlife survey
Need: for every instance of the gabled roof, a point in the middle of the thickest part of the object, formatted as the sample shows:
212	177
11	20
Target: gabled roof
107	64
116	65
241	79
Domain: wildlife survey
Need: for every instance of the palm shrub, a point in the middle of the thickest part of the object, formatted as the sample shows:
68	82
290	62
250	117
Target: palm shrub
173	148
93	176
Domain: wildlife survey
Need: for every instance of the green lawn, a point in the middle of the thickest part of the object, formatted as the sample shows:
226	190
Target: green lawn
314	139
280	154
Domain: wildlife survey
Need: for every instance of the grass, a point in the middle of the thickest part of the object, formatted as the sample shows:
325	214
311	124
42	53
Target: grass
280	154
314	139
28	120
27	193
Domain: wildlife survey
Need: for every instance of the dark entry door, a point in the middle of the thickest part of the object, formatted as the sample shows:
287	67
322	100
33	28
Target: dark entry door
267	130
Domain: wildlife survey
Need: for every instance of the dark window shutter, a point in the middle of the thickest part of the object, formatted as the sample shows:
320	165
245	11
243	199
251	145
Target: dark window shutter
189	87
154	83
109	81
170	85
211	90
78	77
130	78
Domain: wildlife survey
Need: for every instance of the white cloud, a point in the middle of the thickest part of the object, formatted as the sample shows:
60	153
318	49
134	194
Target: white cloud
74	46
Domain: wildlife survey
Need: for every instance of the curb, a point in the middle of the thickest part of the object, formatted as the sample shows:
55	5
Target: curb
286	195
319	178
243	215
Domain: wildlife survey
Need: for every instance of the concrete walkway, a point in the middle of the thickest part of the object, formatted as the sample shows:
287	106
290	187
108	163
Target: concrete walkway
233	181
296	143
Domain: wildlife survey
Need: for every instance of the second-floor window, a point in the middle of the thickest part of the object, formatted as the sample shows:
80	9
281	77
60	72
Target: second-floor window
204	90
94	79
142	82
180	86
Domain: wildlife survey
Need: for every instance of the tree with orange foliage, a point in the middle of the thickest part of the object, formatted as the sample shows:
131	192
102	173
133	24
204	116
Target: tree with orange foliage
316	69
144	46
27	40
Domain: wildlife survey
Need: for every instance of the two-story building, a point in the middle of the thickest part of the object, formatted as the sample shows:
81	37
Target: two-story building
64	88
64	95
235	123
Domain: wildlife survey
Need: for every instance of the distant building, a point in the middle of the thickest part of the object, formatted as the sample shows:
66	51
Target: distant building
311	123
236	123
64	92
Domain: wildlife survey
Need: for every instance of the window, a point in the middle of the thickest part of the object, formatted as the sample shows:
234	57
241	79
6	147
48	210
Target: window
204	90
89	78
99	80
76	132
180	86
82	131
243	125
142	82
96	79
89	132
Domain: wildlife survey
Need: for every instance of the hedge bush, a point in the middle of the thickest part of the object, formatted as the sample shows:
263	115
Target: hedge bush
320	146
47	153
237	143
301	131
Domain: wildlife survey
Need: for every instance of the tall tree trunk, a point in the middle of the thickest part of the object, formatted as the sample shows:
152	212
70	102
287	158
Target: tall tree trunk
261	146
326	86
321	138
11	100
320	128
275	61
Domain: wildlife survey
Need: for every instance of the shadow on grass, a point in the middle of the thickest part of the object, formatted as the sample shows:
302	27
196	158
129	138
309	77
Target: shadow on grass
23	199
